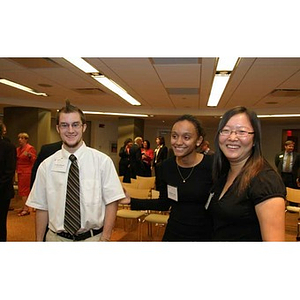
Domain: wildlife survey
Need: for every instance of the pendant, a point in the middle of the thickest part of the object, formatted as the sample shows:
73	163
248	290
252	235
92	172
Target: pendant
183	181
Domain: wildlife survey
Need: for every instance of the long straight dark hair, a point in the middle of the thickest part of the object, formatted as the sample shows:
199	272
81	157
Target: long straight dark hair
255	161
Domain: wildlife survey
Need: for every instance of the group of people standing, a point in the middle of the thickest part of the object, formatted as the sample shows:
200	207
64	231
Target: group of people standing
138	159
15	166
231	195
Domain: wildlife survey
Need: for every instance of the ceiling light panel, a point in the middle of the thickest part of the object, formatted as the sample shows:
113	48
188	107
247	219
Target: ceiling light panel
22	87
81	64
226	63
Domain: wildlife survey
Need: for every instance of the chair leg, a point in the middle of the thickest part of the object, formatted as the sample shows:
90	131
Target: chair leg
298	230
150	229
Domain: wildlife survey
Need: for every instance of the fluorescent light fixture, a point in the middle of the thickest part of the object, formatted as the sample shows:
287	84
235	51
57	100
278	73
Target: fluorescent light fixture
114	87
114	114
81	64
110	84
226	63
22	87
217	89
279	116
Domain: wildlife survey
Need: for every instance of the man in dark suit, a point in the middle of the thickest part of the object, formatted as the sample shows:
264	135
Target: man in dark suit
288	164
204	148
45	152
8	159
135	158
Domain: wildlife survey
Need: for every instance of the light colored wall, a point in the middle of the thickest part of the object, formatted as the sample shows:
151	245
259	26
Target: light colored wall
102	138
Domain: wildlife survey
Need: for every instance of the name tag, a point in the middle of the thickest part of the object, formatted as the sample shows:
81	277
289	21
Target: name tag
60	165
172	193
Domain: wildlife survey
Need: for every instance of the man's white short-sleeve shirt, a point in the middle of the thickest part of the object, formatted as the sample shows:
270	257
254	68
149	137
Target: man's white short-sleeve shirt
99	185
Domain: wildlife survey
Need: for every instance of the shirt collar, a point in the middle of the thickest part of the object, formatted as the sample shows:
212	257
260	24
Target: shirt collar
78	153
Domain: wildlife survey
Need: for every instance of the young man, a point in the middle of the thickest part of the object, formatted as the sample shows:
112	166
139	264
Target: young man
100	187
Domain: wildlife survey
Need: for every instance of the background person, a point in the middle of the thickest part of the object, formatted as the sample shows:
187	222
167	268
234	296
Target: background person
204	148
147	157
100	187
135	155
8	159
4	131
288	164
26	156
124	163
247	199
160	152
185	181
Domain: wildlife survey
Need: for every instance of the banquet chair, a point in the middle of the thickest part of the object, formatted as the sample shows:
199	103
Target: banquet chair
131	215
154	194
293	195
132	184
139	193
127	214
159	220
145	182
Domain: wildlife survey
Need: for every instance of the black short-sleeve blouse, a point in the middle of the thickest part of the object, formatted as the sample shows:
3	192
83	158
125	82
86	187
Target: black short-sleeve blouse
234	216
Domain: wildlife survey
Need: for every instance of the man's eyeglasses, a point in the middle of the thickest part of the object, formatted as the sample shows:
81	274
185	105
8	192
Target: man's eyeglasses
238	133
75	125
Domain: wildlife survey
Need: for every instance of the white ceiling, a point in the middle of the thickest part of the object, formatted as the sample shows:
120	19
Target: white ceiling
166	87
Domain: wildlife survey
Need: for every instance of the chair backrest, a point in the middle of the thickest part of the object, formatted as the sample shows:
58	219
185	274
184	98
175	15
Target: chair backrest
133	184
293	195
146	182
138	193
154	194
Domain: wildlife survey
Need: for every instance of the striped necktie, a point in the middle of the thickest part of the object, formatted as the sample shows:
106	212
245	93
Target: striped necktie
288	163
72	211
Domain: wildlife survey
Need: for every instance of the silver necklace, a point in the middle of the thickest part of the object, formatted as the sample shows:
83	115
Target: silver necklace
186	178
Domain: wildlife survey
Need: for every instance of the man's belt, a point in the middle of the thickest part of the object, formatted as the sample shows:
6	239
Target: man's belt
81	236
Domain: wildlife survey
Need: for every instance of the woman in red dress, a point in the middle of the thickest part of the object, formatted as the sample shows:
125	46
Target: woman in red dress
26	156
147	157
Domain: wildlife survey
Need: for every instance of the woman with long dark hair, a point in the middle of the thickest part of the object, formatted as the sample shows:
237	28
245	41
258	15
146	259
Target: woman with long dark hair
247	199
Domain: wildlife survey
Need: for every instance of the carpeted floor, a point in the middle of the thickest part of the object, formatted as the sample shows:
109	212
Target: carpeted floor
23	228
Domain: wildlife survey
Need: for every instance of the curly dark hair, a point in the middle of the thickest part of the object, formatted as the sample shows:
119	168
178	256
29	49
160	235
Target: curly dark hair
195	121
